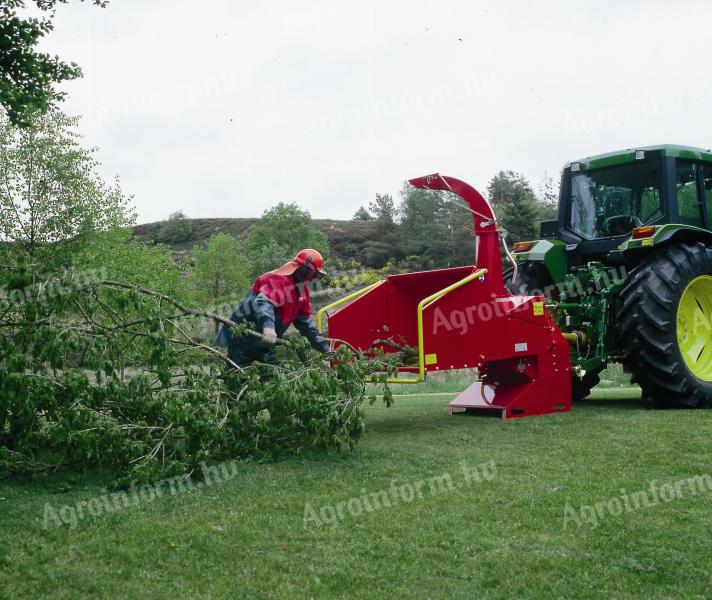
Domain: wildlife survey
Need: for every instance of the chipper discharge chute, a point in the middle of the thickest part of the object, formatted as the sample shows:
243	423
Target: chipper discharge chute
464	318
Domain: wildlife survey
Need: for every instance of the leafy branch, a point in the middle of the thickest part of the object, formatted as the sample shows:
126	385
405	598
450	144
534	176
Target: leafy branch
117	377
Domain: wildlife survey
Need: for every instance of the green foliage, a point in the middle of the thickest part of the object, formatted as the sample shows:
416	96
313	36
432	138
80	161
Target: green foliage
360	277
548	198
504	185
51	197
112	380
27	77
515	205
362	215
437	228
384	209
176	229
121	258
384	243
220	272
283	231
378	240
520	218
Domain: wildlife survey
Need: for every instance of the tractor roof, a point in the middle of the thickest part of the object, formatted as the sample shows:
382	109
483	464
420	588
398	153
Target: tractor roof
625	156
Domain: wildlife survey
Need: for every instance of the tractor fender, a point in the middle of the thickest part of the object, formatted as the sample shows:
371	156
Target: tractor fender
666	235
550	252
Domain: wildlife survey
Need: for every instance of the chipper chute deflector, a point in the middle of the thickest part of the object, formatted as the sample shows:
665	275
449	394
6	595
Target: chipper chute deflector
464	318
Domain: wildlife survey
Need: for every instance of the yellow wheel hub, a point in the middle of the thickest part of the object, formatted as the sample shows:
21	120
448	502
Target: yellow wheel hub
694	327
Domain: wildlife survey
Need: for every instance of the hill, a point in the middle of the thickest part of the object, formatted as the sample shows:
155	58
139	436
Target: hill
347	239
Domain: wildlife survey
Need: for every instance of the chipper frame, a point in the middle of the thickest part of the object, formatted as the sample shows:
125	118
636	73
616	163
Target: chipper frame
464	318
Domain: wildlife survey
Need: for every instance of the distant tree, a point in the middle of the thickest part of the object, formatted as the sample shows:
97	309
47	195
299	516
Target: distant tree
384	240
176	229
220	273
548	197
506	185
457	227
362	215
51	197
520	218
549	190
437	227
123	259
270	256
419	228
515	205
383	209
28	77
283	231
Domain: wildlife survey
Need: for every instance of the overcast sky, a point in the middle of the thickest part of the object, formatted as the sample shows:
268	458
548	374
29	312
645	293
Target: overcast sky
223	108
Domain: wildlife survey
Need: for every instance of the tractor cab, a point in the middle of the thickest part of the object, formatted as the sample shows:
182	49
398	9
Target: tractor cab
608	200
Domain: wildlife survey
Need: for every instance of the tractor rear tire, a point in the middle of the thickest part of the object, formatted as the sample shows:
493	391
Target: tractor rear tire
665	316
531	277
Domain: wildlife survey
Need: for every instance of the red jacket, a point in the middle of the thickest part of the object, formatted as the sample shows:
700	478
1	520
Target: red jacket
289	300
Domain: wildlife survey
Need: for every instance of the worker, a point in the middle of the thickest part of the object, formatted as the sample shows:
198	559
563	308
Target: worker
277	299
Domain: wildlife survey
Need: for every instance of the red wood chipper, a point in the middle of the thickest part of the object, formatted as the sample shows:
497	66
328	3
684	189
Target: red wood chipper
464	318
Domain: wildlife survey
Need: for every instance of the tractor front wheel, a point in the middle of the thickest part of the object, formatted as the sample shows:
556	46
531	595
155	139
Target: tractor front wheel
665	312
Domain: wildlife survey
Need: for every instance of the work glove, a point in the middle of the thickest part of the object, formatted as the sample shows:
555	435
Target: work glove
269	336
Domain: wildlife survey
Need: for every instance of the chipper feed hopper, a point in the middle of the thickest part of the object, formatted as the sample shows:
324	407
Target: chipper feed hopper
464	318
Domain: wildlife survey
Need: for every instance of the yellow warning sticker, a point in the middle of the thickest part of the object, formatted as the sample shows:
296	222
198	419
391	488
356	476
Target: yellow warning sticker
431	359
538	309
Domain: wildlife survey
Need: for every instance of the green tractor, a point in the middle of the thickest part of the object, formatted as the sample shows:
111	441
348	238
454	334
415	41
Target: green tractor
627	270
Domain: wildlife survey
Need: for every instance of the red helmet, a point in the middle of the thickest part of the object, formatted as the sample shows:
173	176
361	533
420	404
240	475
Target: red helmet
312	259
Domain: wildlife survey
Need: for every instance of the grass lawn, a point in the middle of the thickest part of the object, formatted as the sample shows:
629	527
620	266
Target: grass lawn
503	537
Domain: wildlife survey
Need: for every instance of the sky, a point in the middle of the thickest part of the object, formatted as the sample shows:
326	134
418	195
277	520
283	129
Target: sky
224	108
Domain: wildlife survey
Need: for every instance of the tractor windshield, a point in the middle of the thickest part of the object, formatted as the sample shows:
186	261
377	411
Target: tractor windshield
612	201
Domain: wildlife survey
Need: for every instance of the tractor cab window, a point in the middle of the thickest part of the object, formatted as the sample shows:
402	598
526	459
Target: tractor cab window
613	201
689	205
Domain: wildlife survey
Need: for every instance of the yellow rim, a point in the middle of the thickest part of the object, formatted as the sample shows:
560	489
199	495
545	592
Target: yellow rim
694	327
